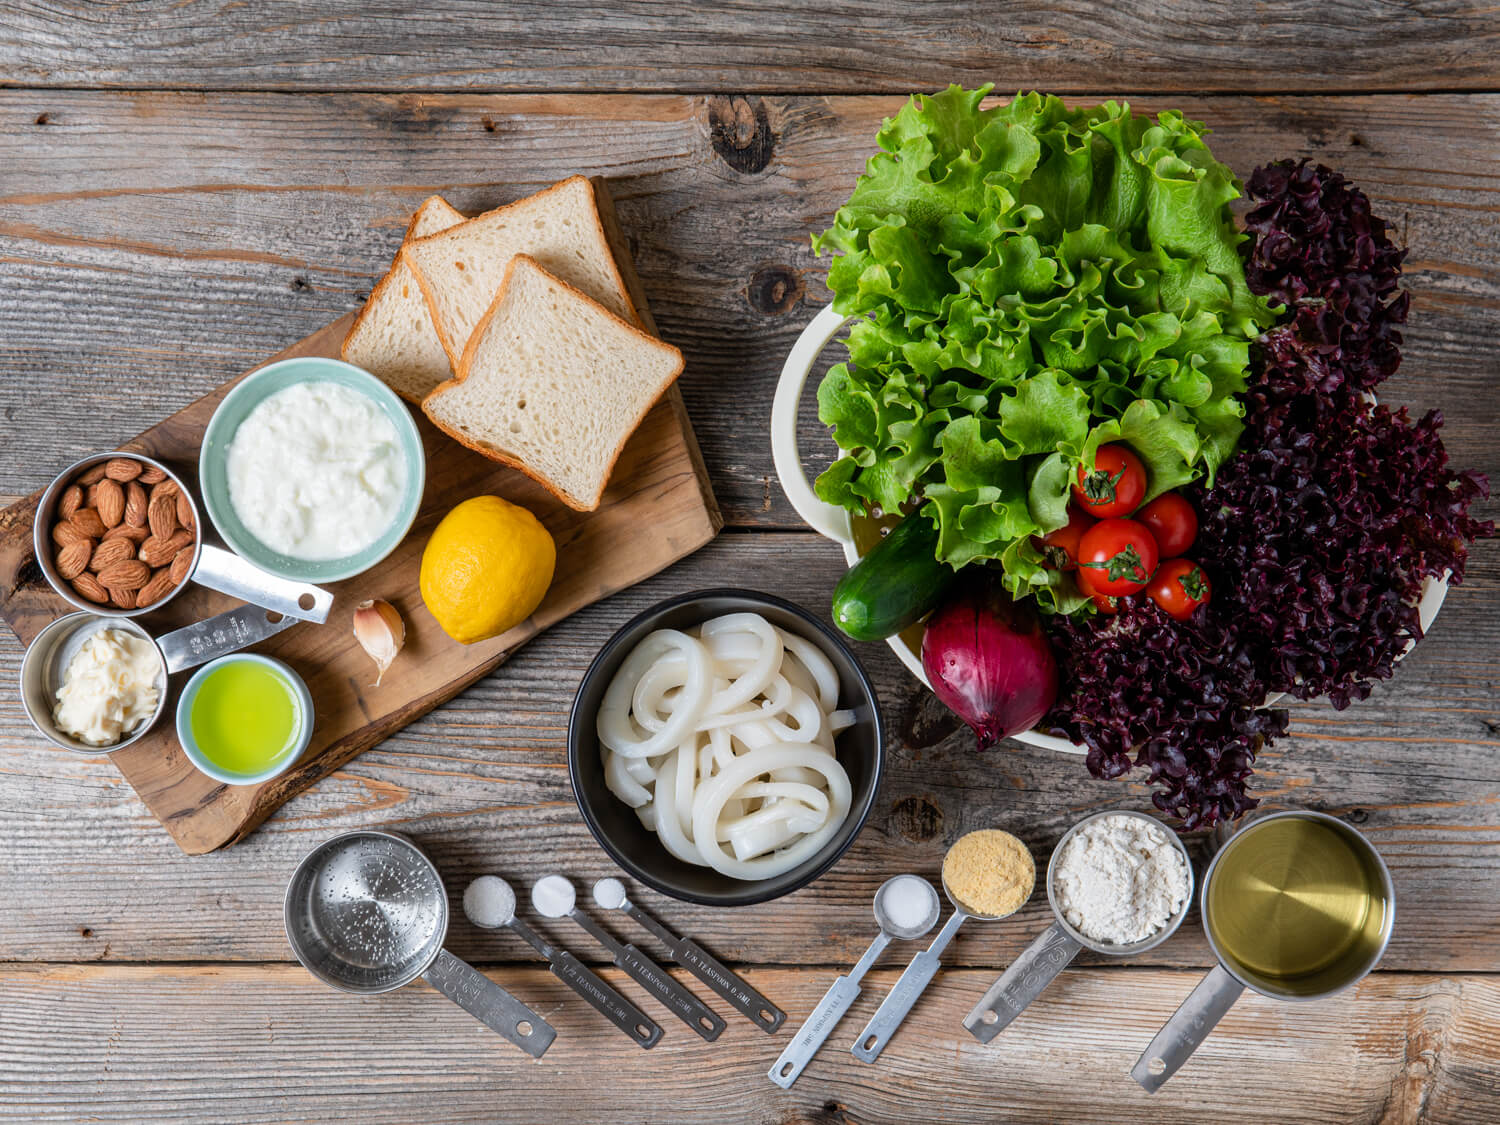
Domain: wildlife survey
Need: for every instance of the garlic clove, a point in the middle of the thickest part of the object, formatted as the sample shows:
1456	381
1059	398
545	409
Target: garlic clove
380	632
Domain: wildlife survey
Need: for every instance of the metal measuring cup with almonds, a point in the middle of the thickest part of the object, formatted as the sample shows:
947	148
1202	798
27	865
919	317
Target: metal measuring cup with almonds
119	534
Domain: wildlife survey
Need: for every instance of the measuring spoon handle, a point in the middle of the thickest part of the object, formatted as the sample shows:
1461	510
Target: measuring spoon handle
683	1004
490	1004
728	984
605	999
1022	983
812	1034
904	994
1188	1027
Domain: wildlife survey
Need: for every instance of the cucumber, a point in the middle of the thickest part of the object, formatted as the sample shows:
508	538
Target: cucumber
897	584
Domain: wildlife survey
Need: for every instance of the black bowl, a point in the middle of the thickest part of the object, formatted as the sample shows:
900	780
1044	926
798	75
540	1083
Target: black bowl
615	824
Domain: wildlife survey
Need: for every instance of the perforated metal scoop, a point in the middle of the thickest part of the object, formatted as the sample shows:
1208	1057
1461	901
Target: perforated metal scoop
366	912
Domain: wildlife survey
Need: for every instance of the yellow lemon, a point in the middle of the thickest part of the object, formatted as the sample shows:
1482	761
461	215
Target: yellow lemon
486	568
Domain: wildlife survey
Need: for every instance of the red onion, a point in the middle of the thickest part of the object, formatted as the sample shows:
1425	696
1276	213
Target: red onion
989	662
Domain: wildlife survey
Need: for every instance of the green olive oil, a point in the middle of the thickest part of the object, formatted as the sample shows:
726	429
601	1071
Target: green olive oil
245	717
1296	906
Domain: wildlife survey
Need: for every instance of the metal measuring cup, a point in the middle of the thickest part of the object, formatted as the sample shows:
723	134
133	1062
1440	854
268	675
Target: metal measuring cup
1216	993
45	664
845	990
918	975
212	566
1036	968
366	912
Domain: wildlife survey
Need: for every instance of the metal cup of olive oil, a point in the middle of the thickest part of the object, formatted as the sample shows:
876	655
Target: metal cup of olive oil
1297	906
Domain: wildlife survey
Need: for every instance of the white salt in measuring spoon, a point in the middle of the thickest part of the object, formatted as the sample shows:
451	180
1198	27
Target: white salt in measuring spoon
906	907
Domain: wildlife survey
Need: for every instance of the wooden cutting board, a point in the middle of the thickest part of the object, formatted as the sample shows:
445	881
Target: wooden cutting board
657	509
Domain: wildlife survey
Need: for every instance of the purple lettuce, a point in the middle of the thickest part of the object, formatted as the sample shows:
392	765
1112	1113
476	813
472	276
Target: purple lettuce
1318	534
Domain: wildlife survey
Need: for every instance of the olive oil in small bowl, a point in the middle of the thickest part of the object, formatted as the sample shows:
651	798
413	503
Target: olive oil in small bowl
244	718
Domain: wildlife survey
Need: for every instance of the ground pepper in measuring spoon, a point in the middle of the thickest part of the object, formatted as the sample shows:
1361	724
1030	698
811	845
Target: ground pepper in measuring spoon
988	875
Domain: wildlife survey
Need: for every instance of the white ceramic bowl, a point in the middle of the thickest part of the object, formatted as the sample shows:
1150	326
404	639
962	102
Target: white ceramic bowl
833	522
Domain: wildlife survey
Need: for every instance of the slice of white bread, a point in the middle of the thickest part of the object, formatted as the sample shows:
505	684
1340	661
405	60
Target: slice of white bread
553	383
461	268
393	337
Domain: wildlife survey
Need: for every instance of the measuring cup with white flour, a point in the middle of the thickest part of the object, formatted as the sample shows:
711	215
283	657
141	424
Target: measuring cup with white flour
1119	883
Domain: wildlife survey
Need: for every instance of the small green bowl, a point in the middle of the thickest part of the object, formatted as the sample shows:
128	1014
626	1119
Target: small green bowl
250	392
288	758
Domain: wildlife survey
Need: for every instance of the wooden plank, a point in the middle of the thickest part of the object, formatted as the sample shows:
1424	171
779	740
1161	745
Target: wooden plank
268	1043
143	252
831	46
482	783
653	513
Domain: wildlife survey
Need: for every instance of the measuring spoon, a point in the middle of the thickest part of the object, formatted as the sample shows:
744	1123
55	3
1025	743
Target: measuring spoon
1054	951
553	897
846	989
914	981
490	903
610	895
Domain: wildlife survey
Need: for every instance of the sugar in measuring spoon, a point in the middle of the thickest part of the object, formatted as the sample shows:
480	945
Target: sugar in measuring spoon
987	875
490	903
906	907
610	894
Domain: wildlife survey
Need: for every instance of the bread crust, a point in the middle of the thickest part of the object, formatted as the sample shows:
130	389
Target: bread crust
454	350
389	279
462	372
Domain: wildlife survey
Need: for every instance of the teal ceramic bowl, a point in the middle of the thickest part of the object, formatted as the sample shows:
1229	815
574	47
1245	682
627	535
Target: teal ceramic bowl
250	392
301	701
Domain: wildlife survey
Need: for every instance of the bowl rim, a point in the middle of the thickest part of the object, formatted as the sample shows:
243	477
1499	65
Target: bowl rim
262	556
754	892
190	691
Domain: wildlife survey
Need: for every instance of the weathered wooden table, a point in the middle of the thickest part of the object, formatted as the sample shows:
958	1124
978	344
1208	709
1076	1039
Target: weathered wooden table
186	187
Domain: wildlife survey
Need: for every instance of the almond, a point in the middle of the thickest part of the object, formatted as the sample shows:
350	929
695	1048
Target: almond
91	476
135	504
127	575
122	599
122	469
135	535
157	551
151	475
70	501
158	587
71	560
184	511
87	521
182	565
111	502
110	552
91	495
88	587
161	512
67	532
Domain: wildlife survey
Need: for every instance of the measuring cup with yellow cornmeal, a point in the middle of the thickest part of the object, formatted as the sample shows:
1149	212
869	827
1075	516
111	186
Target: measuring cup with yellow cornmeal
987	875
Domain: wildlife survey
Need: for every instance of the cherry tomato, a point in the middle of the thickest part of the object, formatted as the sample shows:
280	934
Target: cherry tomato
1061	546
1172	523
1102	602
1180	587
1119	555
1117	485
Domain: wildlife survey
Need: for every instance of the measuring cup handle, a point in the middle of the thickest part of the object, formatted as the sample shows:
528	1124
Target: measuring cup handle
824	518
1188	1027
227	573
218	636
1022	983
606	1000
812	1034
681	1001
490	1004
904	994
729	984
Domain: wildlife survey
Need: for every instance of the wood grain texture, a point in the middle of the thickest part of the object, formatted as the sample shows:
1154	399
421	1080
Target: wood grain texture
482	784
175	259
825	46
268	1043
652	514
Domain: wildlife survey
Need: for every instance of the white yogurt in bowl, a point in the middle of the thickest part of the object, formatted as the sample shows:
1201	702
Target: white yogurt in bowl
316	471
